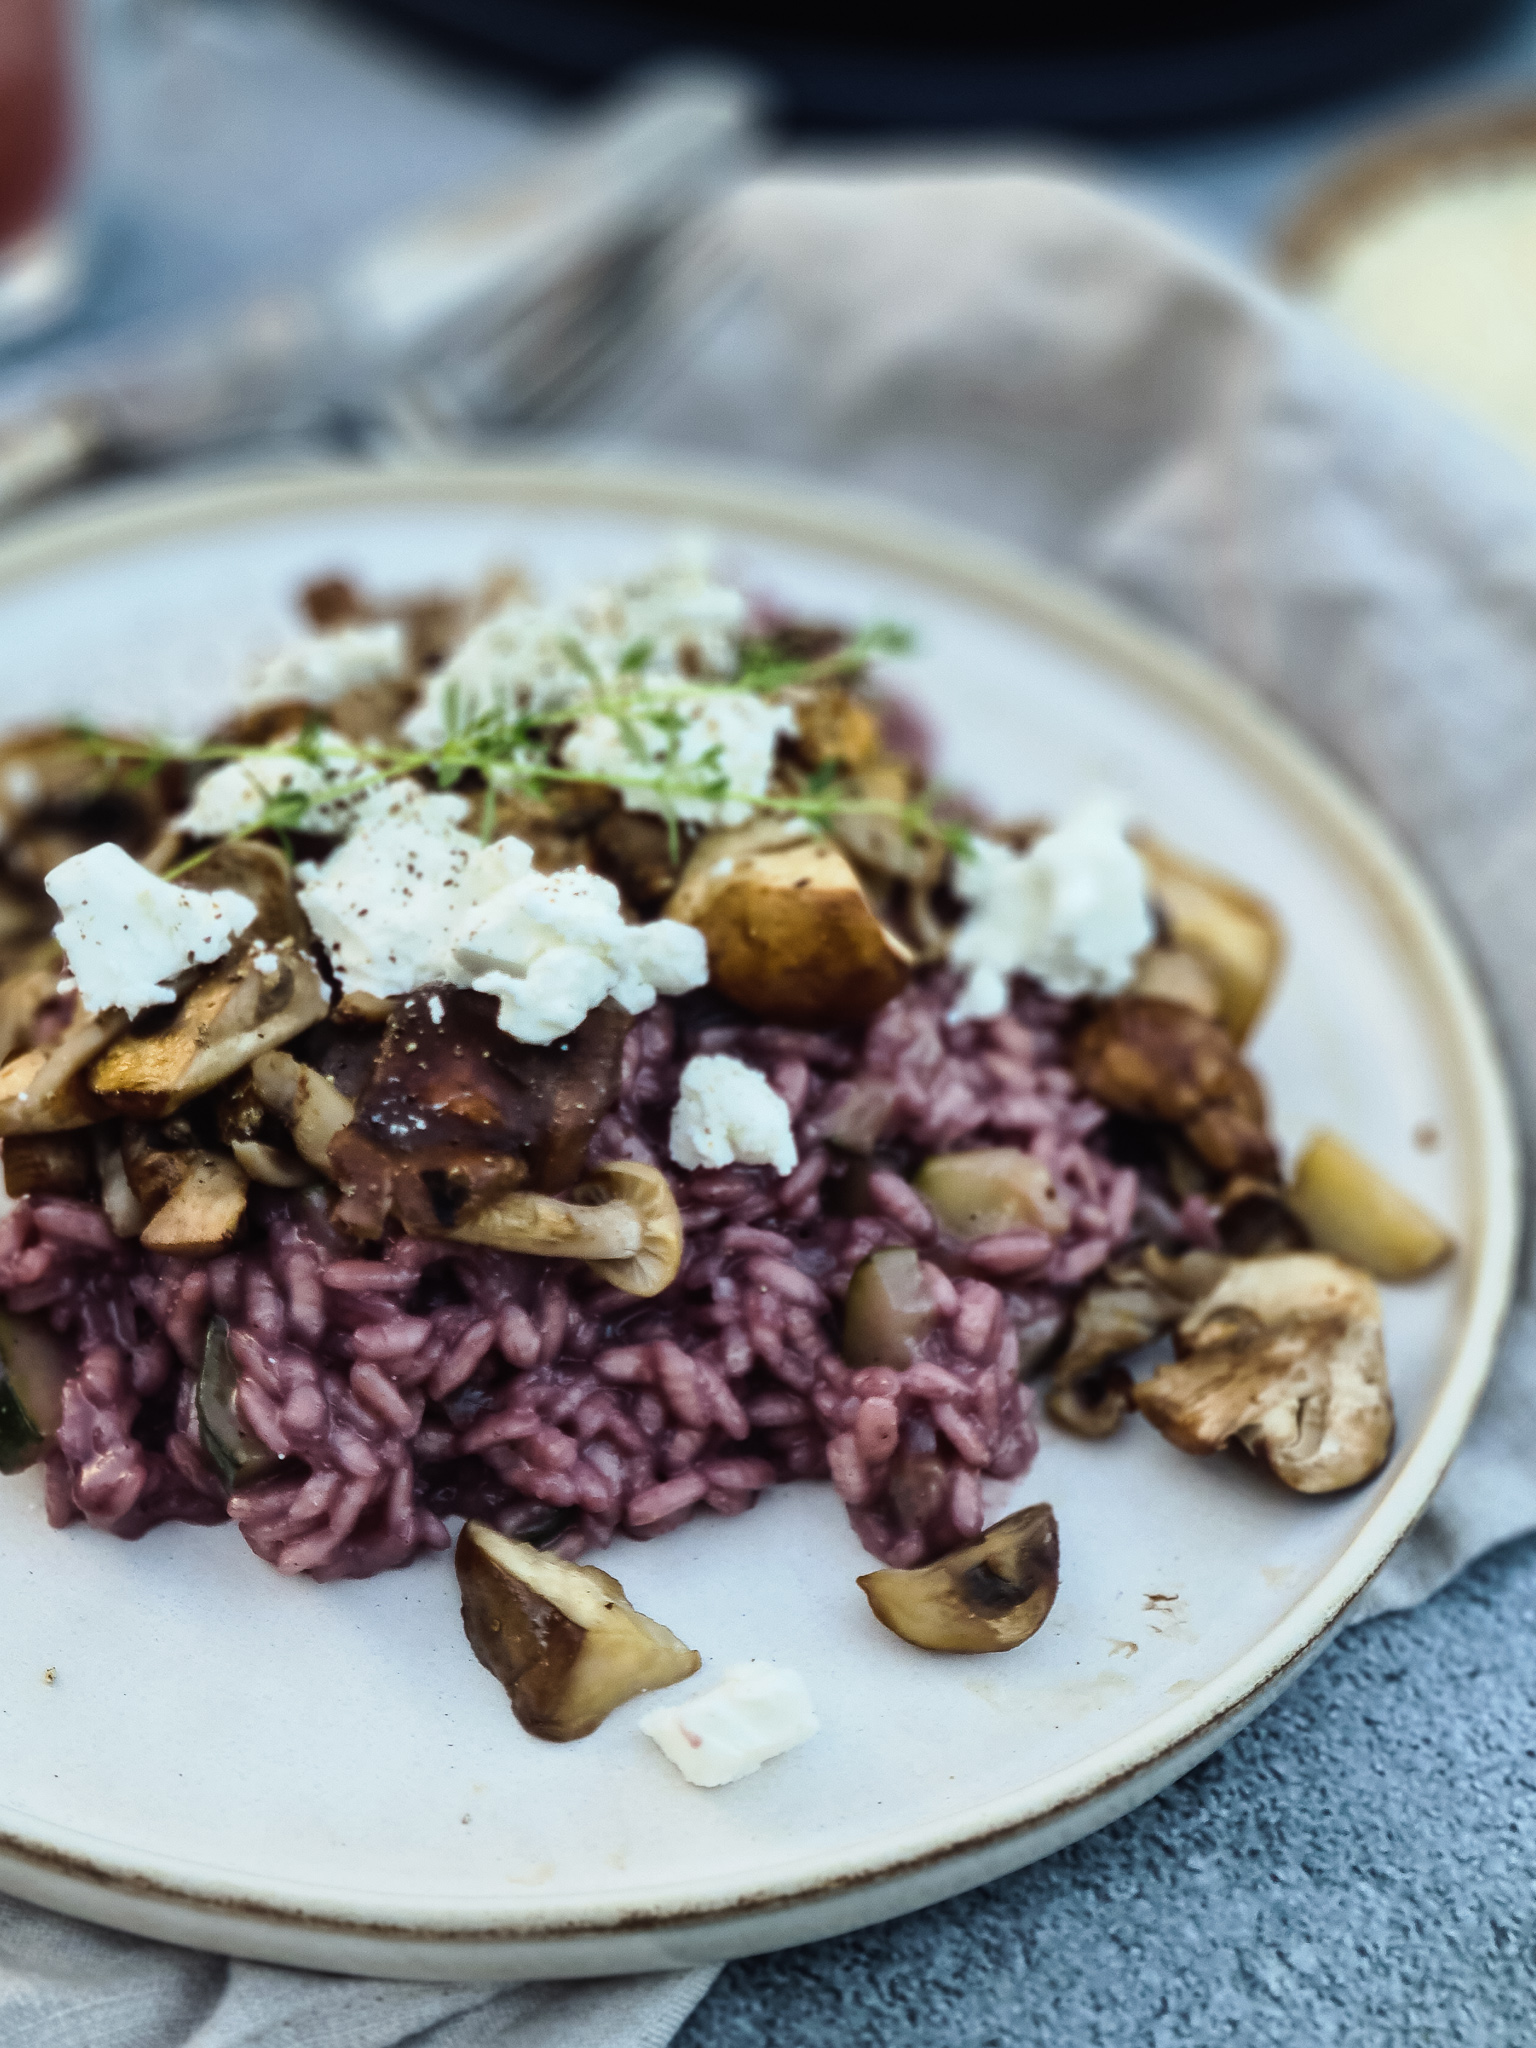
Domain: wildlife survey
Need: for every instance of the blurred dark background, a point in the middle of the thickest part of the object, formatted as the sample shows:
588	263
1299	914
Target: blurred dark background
1096	67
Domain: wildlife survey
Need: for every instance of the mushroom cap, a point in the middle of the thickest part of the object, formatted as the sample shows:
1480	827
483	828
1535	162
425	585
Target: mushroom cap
1285	1357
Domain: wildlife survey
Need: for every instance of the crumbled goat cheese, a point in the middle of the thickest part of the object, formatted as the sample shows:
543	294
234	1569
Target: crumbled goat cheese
234	798
552	947
520	659
727	1114
127	934
381	902
323	667
1072	912
729	733
757	1711
408	898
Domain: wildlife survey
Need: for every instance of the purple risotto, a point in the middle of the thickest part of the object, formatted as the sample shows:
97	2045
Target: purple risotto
563	1067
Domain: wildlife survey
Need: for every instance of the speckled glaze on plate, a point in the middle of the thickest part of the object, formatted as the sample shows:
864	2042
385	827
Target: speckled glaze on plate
323	1775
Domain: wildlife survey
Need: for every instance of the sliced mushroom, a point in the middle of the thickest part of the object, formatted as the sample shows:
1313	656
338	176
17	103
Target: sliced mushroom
991	1595
623	1221
876	840
1135	1301
261	875
313	1108
24	994
1232	932
1178	976
982	1194
258	998
270	1165
560	1637
1155	1059
46	1090
53	1163
124	1211
1254	1218
835	725
1352	1210
194	1197
1285	1357
60	795
791	935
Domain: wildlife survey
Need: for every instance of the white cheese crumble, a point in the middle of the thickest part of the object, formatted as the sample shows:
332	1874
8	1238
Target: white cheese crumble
1072	912
757	1711
729	733
234	798
727	1114
676	619
324	666
408	898
552	947
127	934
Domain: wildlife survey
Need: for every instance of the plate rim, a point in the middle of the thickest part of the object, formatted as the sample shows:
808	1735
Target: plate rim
292	1924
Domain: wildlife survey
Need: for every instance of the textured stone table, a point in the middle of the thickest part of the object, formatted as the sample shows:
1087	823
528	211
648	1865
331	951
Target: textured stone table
1360	1866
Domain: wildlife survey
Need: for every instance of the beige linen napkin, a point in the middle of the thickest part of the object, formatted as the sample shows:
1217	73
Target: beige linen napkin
1023	350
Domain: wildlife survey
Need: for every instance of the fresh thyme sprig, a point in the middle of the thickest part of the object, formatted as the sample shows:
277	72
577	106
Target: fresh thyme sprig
518	753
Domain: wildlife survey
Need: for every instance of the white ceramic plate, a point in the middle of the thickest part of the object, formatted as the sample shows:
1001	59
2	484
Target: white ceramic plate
323	1774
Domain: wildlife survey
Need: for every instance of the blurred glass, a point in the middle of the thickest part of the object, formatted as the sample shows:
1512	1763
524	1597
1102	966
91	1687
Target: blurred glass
40	244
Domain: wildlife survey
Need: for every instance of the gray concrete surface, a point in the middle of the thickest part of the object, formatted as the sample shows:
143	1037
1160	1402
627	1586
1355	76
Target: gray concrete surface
1358	1867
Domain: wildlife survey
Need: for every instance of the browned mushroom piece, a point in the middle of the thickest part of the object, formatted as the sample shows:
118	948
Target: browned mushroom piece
1179	976
1230	932
1354	1211
60	795
25	994
193	1196
1158	1060
46	1089
256	999
992	1594
1284	1356
1133	1302
52	1163
312	1108
877	842
1253	1218
792	936
635	851
835	725
456	1113
560	1637
124	1211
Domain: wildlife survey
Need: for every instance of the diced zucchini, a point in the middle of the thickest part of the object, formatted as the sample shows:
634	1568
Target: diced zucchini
236	1456
888	1311
34	1364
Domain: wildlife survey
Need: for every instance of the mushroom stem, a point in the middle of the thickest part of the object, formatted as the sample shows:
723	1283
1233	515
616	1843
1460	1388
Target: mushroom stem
549	1228
312	1106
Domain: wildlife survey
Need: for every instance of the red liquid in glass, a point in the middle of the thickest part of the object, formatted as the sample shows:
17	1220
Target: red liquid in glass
34	113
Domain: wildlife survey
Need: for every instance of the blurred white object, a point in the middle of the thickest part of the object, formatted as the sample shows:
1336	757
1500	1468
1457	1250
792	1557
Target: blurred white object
497	307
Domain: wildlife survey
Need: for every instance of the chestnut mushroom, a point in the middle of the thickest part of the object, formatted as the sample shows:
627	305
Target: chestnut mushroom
51	1163
194	1197
1226	929
1158	1060
1134	1301
46	1090
792	936
560	1637
258	998
992	1594
313	1108
1352	1210
1284	1356
623	1221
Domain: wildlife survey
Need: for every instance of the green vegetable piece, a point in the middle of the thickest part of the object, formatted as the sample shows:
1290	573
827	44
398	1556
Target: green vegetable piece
888	1312
236	1456
34	1364
984	1194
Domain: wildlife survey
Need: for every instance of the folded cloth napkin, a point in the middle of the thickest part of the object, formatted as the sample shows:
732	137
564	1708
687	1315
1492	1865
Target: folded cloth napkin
1024	351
